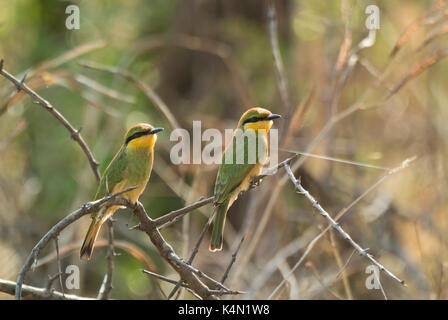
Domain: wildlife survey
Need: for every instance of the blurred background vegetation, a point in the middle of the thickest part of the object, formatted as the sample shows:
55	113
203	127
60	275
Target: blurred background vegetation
210	60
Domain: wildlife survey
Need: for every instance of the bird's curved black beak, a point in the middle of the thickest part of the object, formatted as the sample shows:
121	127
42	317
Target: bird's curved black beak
272	116
155	130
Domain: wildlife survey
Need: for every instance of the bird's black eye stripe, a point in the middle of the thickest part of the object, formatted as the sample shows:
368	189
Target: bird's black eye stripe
137	135
252	119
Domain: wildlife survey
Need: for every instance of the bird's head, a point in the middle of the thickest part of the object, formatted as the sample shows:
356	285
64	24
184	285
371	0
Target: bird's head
257	118
141	135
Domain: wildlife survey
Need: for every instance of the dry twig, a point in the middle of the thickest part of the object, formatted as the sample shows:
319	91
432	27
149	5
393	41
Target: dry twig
337	227
30	292
106	286
75	134
57	228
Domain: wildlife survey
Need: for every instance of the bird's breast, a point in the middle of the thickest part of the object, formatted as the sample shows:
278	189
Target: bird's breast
133	194
245	184
138	171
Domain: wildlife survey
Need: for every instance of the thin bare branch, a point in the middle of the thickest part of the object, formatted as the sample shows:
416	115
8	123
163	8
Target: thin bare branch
337	257
106	286
56	243
57	228
185	271
419	68
298	116
315	273
170	218
340	214
105	91
278	63
336	226
413	27
126	246
195	250
75	134
232	261
30	292
51	280
158	276
69	55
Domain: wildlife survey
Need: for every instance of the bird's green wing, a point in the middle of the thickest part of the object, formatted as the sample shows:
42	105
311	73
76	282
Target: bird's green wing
114	173
230	175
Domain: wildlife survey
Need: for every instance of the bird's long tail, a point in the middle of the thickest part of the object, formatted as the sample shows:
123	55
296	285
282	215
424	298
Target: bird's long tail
218	227
89	241
95	226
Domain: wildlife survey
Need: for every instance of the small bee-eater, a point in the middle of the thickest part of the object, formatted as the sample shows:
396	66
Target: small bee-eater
234	177
130	167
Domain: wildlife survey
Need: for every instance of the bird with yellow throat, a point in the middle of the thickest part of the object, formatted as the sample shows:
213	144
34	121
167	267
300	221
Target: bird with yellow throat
235	176
131	167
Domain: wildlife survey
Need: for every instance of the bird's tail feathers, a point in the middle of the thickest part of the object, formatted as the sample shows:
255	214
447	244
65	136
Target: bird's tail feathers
218	227
95	226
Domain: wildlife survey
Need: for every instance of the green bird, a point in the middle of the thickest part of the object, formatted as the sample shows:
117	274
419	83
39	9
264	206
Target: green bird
131	166
235	177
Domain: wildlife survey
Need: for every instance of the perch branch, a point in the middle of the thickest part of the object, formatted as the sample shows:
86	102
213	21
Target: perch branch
61	225
195	250
169	218
166	251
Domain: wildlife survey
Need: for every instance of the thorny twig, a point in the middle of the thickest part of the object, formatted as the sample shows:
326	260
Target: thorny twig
51	280
232	261
340	214
158	276
336	226
195	250
187	273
